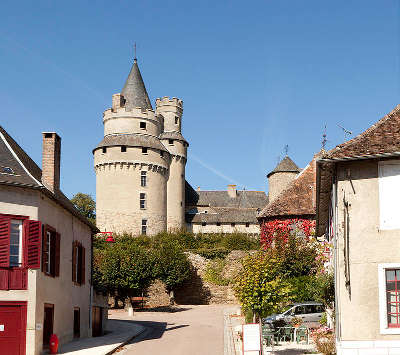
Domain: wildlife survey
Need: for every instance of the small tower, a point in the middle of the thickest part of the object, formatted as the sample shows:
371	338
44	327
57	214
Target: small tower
169	111
131	164
280	177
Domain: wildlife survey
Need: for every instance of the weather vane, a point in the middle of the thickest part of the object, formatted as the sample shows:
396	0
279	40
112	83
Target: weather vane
134	46
286	149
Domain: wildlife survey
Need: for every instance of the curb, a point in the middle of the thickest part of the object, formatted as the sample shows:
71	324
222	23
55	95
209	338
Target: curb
126	341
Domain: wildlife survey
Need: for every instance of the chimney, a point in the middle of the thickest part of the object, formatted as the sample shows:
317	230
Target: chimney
51	161
232	191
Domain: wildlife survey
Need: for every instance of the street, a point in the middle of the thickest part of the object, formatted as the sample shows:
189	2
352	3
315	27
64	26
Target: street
193	330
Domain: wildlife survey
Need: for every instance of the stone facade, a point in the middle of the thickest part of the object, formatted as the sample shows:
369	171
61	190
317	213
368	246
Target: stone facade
140	163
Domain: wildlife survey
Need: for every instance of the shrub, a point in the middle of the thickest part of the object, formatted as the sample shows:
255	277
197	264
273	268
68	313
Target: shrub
213	273
324	339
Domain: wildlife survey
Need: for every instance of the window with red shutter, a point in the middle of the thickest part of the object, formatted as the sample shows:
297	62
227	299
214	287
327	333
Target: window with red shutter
78	263
51	252
82	265
5	227
32	244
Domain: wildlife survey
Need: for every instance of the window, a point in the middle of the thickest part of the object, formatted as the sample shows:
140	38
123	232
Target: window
247	224
142	201
233	224
142	125
16	243
176	120
218	224
144	226
51	252
7	170
389	298
161	153
123	149
143	178
144	150
203	224
104	149
170	141
78	263
389	194
77	322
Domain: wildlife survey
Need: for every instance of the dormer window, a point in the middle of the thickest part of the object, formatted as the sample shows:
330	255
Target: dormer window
123	149
6	170
170	141
144	150
142	125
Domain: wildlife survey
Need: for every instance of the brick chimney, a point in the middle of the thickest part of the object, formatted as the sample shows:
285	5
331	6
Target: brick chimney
232	191
51	161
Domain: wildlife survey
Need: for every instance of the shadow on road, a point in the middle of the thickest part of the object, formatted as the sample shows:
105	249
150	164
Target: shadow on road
167	309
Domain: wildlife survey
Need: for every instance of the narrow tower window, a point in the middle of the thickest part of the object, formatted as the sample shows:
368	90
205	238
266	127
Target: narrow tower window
142	125
123	149
170	141
176	120
247	225
144	150
161	153
142	201
104	150
144	226
143	178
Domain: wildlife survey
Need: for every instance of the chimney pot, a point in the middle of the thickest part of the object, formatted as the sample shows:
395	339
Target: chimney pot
51	156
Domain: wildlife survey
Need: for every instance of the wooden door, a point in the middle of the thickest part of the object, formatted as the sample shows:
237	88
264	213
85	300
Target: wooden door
12	328
48	323
97	321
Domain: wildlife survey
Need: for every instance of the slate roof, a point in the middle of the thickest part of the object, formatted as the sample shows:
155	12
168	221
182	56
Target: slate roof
131	140
134	91
26	173
285	165
298	199
173	135
240	209
381	138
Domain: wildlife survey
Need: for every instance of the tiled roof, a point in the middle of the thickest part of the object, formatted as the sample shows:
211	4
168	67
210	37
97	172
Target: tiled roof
26	173
298	199
381	138
134	91
131	140
285	165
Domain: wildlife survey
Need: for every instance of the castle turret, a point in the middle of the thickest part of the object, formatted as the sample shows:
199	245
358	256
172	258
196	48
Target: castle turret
131	164
281	176
169	111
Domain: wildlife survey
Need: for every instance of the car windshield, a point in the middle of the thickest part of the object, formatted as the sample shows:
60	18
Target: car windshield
288	308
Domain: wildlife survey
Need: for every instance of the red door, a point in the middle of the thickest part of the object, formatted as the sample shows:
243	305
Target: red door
12	328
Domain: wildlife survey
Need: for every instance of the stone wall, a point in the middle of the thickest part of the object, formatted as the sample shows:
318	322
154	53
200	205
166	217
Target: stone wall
197	290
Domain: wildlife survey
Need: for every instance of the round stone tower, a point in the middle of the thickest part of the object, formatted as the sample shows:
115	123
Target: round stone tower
280	177
132	165
169	111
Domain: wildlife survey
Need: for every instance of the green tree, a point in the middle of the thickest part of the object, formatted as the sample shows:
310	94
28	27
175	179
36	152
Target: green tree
85	205
171	265
123	268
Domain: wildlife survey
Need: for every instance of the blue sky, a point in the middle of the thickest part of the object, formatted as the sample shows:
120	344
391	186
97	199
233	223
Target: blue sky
254	76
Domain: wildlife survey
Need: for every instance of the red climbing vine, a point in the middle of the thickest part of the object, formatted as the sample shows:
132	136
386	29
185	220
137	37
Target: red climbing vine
270	230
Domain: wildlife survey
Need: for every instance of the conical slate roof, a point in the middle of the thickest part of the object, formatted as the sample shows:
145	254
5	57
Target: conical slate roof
134	91
284	166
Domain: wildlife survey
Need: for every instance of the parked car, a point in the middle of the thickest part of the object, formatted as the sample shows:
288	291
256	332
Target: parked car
309	312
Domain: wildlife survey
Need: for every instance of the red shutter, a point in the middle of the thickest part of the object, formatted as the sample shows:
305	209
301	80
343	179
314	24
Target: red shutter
5	228
74	262
44	248
18	279
32	244
4	279
57	256
83	269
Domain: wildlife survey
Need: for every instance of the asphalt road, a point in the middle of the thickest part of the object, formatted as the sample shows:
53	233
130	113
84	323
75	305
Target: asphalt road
193	330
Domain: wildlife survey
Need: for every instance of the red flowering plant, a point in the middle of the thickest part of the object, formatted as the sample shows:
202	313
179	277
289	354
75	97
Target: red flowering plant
324	339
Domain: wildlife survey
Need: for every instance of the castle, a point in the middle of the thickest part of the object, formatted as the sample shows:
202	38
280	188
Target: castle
140	173
140	163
